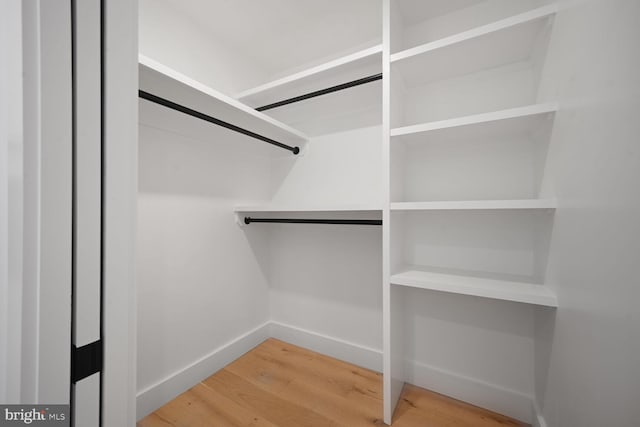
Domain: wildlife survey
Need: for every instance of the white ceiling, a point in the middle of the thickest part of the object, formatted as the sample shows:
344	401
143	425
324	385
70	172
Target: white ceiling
286	34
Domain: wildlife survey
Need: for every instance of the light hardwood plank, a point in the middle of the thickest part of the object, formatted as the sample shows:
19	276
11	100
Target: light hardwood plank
424	408
348	401
280	385
325	372
202	406
275	408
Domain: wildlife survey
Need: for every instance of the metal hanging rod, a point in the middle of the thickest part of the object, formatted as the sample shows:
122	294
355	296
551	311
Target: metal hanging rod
186	110
331	89
249	220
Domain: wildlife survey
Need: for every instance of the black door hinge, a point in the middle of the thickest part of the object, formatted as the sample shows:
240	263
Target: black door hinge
86	360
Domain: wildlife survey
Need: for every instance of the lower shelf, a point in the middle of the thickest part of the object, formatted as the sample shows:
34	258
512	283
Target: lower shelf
481	286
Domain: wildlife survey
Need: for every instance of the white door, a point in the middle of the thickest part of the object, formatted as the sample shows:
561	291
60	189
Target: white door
47	191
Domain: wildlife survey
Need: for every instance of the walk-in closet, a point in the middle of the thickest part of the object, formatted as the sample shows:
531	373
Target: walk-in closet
375	181
321	213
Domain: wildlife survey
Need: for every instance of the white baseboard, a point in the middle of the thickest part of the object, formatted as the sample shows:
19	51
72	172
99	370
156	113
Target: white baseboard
471	390
356	354
156	395
490	396
538	417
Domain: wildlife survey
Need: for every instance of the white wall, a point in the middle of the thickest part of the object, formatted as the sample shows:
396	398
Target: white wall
200	282
502	167
588	356
169	36
338	168
203	280
326	278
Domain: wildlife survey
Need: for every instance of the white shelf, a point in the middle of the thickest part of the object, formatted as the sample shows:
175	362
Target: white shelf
355	107
479	285
513	119
475	205
499	43
167	83
319	208
298	83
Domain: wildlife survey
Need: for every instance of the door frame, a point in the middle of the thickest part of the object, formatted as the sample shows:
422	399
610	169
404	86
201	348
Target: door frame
120	190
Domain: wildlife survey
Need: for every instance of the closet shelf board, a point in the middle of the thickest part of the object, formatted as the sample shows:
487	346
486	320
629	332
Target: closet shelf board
524	204
162	81
507	290
351	108
350	67
499	43
523	119
323	208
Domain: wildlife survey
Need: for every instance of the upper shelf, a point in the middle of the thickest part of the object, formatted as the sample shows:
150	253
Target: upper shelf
520	119
341	70
475	205
499	43
354	107
476	285
167	83
309	208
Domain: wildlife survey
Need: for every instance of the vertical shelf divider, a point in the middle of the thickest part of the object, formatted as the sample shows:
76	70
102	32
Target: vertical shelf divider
393	346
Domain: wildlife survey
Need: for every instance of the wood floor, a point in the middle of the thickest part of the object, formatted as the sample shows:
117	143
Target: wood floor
281	385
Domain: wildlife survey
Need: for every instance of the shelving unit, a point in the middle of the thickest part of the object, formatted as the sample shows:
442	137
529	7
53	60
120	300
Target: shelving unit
167	83
357	106
479	285
464	100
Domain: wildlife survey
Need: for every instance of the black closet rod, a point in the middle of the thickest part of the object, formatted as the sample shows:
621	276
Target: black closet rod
186	110
320	92
249	220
